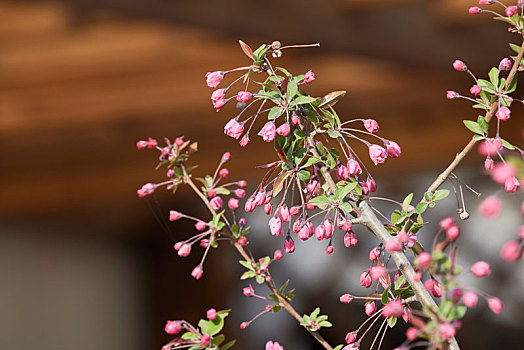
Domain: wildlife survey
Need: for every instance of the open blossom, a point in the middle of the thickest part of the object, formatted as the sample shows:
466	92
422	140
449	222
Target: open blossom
213	79
371	125
234	129
393	308
393	149
503	113
309	77
377	154
490	207
481	269
244	96
270	345
268	132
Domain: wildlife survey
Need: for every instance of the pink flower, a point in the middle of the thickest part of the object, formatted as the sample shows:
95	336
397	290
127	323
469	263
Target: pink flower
447	331
211	314
510	11
184	250
412	333
330	228
474	10
278	254
242	241
250	205
174	215
284	129
310	76
393	149
244	96
204	341
240	193
173	327
475	90
502	172
218	104
495	305
233	203
503	113
372	185
374	254
490	207
197	272
511	251
485	2
489	147
371	125
489	164
284	213
226	157
293	211
453	233
377	272
470	299
354	167
179	141
141	144
289	245
200	225
393	308
377	154
273	346
223	173
303	234
268	132
511	184
244	141
320	232
451	95
481	269
275	226
234	129
346	298
424	259
350	240
146	189
365	279
295	120
213	79
393	246
216	203
268	209
342	172
459	65
351	337
370	308
218	95
151	143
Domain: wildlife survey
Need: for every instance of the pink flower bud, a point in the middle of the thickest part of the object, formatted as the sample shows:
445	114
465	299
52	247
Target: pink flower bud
200	225
268	132
481	269
370	308
511	184
490	207
204	341
393	246
273	346
312	187
216	203
503	113
371	125
309	77
151	143
249	291
350	240
393	308
456	295
412	333
474	10
402	237
223	173
351	337
293	211
446	223
365	279
374	254
244	141
218	95
260	198
459	65
303	234
250	205
289	245
511	251
510	11
146	190
495	305
346	298
430	285
284	213
242	183
242	222
470	299
451	95
275	226
278	254
330	228
211	193
423	260
502	172
174	215
211	314
320	232
486	2
284	129
342	172
329	249
372	185
244	96
354	167
489	164
179	141
141	144
213	79
219	104
393	149
184	250
295	120
377	154
204	243
268	209
240	193
242	241
197	272
233	203
417	277
244	325
453	233
377	272
234	129
447	331
475	90
173	327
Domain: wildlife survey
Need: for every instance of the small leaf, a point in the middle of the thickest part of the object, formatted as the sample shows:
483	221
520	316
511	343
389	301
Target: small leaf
494	76
332	98
279	183
481	121
292	89
440	194
507	145
304	175
247	274
421	207
392	321
300	100
275	112
247	50
228	345
471	125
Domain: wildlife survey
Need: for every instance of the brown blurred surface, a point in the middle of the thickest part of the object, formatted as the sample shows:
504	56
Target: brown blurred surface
81	81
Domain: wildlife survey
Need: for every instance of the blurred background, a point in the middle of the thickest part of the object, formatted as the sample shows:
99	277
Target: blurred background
84	263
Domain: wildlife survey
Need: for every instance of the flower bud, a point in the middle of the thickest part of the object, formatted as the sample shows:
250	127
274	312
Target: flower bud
213	79
510	11
216	203
346	298
268	209
447	331
268	132
289	245
371	125
489	164
475	90
184	250
309	77
173	327
197	272
278	254
423	260
481	269
365	279
453	233
284	129
495	305
233	203
174	215
503	113
244	96
451	95
200	225
470	299
511	184
211	314
370	308
377	154
223	173
393	149
459	65
511	251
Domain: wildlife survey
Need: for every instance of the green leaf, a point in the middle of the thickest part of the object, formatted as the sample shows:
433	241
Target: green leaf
283	70
275	112
507	145
407	202
339	347
260	279
216	325
392	321
247	274
494	76
512	86
478	137
385	297
440	194
304	175
279	183
333	134
471	125
457	312
246	264
315	313
319	200
421	207
300	100
292	89
342	192
228	345
481	121
486	86
260	52
310	161
204	326
399	281
188	335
